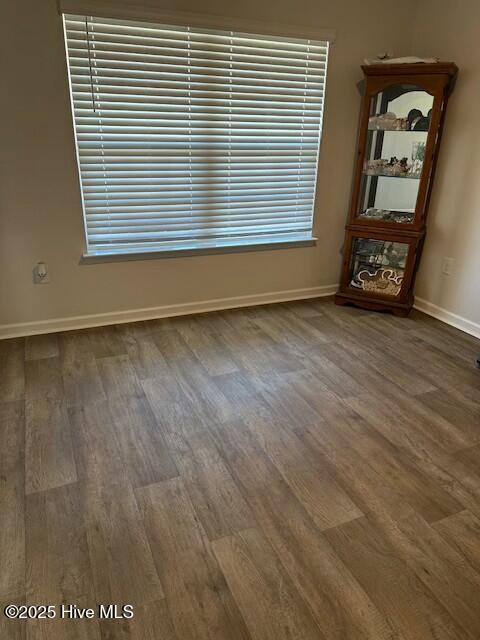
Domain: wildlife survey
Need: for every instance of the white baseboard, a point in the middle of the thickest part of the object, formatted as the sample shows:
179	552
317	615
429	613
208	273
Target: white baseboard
152	313
448	317
120	317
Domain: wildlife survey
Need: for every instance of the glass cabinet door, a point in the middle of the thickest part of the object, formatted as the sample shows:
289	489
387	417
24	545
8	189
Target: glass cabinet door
397	134
378	266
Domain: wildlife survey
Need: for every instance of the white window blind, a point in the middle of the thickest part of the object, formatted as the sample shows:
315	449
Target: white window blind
193	138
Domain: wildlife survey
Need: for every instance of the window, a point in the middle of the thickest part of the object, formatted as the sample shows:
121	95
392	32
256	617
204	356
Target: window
191	138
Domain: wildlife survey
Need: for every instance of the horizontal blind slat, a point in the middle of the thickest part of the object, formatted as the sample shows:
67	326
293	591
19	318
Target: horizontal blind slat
188	137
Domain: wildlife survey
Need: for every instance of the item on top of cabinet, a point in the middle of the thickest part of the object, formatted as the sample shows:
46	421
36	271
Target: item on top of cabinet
393	167
375	214
417	121
388	122
404	60
400	217
375	167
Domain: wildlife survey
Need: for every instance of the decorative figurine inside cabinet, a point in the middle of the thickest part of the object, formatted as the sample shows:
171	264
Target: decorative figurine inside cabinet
403	114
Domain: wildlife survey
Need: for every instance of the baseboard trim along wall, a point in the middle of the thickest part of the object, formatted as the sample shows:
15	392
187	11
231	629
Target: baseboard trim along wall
448	317
152	313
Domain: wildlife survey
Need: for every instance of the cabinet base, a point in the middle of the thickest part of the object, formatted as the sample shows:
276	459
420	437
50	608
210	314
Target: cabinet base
398	309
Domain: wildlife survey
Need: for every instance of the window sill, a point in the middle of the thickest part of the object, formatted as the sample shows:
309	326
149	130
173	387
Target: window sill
95	258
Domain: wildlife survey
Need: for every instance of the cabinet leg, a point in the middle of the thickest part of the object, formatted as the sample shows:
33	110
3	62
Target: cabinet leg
341	301
401	313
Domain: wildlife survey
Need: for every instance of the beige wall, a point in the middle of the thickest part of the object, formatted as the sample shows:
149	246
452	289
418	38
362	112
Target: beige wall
454	222
39	196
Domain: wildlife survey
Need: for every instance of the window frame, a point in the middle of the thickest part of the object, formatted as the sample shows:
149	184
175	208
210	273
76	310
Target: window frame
215	23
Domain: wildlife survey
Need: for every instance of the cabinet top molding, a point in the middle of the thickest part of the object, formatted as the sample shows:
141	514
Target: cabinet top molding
416	68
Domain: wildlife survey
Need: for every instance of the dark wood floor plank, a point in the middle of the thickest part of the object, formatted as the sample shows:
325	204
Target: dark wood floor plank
284	327
216	498
106	342
12	380
12	500
470	458
333	377
170	519
459	380
457	478
455	344
312	483
461	412
120	555
207	346
339	604
65	629
266	596
368	489
118	375
397	371
43	379
253	349
150	622
367	347
332	329
462	532
42	346
12	629
199	601
203	394
96	448
192	378
306	308
319	395
58	564
419	490
397	426
81	377
121	435
143	353
442	569
442	371
373	472
48	450
395	589
172	409
388	392
285	402
389	329
141	442
246	456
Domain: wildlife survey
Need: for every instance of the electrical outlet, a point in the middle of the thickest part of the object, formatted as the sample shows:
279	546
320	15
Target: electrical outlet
447	266
40	274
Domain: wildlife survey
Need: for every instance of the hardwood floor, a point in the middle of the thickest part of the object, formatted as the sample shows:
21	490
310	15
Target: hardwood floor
292	472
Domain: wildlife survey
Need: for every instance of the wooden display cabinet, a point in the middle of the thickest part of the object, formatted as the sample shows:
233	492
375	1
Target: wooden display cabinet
402	119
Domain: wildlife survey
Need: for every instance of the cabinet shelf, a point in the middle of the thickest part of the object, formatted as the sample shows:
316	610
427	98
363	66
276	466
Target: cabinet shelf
398	130
387	175
388	215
